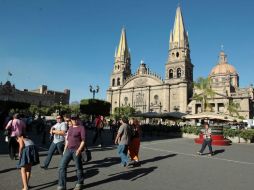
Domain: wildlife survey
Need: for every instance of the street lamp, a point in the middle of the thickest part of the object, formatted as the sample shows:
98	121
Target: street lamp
93	90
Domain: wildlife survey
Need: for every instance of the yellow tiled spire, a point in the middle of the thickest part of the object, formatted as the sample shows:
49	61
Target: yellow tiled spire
122	52
179	37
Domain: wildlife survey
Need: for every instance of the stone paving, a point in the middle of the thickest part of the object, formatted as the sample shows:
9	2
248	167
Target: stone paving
166	164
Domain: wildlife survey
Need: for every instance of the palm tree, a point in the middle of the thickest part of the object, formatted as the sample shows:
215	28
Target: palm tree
233	108
203	85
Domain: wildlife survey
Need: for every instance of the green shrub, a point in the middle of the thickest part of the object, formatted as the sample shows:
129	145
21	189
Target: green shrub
247	134
230	132
191	130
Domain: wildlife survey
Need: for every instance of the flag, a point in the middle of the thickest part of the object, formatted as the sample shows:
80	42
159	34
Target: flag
9	73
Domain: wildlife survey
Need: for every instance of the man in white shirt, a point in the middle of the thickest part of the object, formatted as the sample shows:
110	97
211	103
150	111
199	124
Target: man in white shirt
58	131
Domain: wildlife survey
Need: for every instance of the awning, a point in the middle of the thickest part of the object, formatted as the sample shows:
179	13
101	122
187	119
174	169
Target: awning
211	116
167	115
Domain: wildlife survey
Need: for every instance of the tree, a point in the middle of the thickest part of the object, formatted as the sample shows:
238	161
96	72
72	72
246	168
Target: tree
233	108
203	85
95	107
125	111
74	107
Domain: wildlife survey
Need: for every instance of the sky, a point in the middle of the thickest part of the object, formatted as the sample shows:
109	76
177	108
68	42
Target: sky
70	44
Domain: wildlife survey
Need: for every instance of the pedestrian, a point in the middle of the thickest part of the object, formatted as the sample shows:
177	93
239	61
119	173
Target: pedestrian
135	142
73	147
123	139
67	119
99	124
58	132
207	140
16	127
28	157
39	124
43	130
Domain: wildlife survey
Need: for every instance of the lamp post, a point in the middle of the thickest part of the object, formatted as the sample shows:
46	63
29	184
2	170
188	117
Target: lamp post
93	90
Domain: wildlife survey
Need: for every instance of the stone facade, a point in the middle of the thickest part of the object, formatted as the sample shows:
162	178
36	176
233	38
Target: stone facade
39	97
146	91
225	83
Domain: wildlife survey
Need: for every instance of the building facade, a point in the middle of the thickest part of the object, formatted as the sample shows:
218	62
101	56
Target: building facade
40	97
146	91
225	83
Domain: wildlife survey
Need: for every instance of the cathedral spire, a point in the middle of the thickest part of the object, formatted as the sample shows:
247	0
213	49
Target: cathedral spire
179	37
122	52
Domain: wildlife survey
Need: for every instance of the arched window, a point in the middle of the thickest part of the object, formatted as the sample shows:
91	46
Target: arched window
156	98
179	73
125	101
171	74
113	82
118	81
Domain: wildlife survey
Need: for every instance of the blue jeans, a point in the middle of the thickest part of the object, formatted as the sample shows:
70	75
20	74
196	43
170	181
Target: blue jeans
52	148
122	151
205	143
67	157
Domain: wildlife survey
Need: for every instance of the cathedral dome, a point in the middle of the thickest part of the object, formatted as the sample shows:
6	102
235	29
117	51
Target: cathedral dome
223	67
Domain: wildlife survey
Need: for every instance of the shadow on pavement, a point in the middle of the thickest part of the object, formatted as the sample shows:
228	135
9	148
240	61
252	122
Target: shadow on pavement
106	162
218	151
156	158
45	185
131	175
7	170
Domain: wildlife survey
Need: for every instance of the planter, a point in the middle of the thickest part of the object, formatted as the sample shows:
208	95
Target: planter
190	136
238	140
217	137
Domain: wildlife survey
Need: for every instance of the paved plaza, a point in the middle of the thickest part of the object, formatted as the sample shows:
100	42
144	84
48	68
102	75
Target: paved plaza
166	164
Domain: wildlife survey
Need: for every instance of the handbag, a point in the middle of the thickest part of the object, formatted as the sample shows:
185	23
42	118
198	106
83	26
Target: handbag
86	155
7	132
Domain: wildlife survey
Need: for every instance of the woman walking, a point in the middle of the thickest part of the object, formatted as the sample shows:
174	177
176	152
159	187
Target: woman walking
135	142
207	140
28	157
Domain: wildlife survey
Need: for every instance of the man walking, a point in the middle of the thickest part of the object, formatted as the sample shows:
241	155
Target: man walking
99	124
123	139
72	151
58	131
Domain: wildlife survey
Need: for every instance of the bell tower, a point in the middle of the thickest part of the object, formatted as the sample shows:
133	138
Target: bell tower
122	63
179	69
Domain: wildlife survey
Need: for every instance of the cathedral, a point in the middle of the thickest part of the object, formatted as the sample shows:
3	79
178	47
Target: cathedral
147	92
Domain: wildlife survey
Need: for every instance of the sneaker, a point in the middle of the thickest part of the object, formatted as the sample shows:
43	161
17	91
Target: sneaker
78	186
199	153
210	154
136	163
127	165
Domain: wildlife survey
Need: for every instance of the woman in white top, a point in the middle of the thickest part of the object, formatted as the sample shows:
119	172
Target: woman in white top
28	157
207	140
